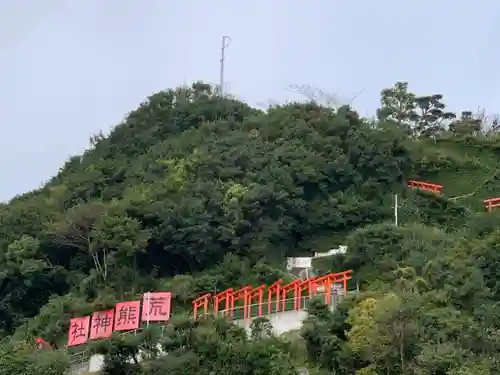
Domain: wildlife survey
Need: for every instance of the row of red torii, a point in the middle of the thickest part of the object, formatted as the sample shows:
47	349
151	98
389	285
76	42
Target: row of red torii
489	204
156	307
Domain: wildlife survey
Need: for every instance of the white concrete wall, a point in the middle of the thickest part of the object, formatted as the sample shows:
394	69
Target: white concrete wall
282	322
96	363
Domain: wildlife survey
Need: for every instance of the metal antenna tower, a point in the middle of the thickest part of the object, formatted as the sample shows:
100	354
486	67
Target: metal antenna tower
225	43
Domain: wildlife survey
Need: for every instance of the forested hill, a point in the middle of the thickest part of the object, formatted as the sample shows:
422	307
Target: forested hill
194	192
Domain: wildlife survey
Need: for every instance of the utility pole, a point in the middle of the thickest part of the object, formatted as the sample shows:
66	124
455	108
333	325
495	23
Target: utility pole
396	209
148	307
225	44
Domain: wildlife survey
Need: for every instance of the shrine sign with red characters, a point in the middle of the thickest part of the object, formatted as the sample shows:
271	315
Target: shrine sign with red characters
156	307
102	324
127	315
78	330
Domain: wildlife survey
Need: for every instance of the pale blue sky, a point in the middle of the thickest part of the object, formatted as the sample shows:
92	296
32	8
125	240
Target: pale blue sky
69	68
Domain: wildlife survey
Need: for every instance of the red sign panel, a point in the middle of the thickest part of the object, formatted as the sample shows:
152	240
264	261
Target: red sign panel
102	324
127	315
78	330
156	307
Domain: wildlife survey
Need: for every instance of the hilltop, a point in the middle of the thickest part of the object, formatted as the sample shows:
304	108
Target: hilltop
194	193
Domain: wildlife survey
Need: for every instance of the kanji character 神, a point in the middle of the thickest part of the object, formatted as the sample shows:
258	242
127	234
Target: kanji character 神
101	322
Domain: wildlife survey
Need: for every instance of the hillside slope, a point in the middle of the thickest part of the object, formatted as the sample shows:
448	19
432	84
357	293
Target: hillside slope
195	193
469	169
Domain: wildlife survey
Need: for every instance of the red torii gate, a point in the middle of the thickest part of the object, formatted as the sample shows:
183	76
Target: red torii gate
308	286
226	296
203	302
328	281
490	204
258	293
242	294
435	188
292	287
274	289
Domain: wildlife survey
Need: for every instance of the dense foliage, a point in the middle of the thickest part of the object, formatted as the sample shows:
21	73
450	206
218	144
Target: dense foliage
195	193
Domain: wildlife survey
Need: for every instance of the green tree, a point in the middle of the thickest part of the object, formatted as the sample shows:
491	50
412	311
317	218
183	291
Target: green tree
399	105
467	124
384	330
419	115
